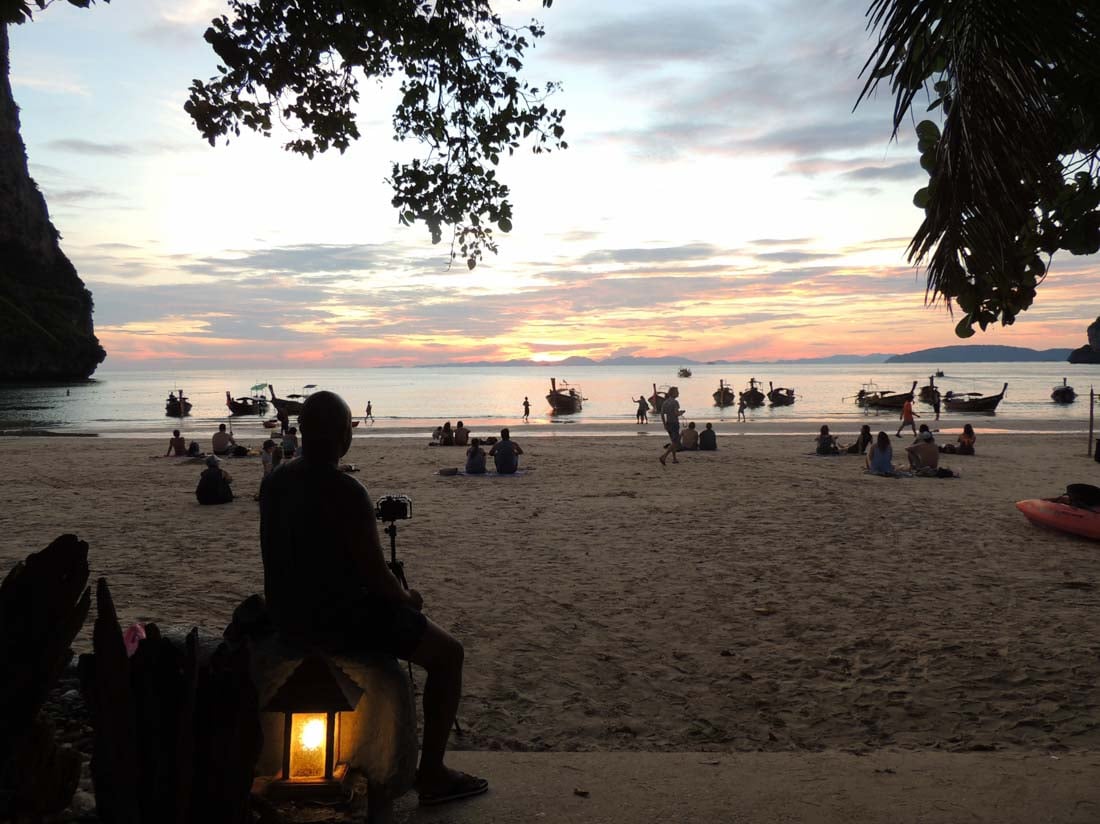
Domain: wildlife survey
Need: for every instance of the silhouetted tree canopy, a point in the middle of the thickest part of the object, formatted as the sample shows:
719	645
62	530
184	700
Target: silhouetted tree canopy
301	61
21	11
1013	170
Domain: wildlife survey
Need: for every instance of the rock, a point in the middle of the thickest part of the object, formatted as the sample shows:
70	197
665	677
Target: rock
83	803
47	332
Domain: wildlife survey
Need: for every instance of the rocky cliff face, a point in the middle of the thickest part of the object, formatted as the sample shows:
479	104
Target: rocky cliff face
46	328
1090	352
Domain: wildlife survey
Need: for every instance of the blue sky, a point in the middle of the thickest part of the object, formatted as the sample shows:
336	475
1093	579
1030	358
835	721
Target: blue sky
719	199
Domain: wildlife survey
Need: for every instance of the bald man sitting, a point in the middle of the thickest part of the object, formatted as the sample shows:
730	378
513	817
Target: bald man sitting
327	583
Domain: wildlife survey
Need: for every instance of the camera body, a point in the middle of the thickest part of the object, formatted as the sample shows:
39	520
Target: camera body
393	508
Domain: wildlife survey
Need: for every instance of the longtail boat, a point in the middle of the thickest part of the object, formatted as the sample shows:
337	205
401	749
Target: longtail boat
752	396
780	396
973	401
564	399
285	405
177	407
251	405
871	397
723	395
657	399
1064	393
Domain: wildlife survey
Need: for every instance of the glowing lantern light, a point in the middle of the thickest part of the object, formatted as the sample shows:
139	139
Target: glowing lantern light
311	700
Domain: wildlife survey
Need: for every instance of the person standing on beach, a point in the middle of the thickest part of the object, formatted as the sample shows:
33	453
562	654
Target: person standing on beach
936	402
670	417
741	416
369	413
327	584
907	416
526	408
643	409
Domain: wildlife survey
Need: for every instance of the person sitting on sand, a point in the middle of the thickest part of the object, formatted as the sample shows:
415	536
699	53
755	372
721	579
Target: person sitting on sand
327	584
222	443
689	438
864	440
880	457
437	434
965	444
267	455
462	434
290	443
177	445
506	453
214	484
447	435
475	458
708	440
826	443
924	454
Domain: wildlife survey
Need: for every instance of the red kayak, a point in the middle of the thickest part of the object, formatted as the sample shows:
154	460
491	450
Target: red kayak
1057	513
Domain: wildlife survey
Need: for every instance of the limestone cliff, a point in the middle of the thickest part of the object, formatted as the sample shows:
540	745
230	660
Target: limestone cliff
1090	352
46	328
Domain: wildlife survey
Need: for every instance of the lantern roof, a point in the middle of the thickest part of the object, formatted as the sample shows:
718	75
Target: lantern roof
316	685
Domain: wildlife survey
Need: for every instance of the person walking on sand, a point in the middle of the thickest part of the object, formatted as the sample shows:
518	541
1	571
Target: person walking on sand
526	408
369	413
670	417
907	415
643	409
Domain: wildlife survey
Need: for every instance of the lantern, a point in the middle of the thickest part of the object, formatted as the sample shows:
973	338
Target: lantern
311	701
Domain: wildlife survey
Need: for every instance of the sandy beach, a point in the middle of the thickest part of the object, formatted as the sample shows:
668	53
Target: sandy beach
756	598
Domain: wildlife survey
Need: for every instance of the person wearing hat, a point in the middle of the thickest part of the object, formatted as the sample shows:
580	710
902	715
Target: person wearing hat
214	484
924	454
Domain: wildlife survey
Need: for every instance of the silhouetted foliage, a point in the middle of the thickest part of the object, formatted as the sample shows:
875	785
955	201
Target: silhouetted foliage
21	11
1013	172
301	61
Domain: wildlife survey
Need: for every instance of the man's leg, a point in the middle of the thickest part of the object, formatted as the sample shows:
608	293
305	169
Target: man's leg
441	655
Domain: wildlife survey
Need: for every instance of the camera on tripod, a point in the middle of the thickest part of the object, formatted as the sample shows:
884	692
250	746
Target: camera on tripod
392	508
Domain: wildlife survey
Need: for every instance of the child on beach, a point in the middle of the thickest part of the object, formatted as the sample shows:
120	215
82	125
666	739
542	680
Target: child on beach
475	458
907	416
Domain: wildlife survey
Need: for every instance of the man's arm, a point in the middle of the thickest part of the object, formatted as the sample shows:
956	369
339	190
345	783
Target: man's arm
515	446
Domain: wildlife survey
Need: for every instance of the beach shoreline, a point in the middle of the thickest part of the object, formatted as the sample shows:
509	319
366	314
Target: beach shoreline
757	597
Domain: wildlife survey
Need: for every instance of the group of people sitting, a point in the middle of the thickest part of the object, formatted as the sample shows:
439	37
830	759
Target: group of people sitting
693	439
923	454
445	436
505	454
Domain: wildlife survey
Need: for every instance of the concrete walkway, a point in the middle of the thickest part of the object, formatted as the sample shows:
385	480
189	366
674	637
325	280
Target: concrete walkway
773	788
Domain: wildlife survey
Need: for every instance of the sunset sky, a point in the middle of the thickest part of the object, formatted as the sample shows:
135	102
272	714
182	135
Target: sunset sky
719	199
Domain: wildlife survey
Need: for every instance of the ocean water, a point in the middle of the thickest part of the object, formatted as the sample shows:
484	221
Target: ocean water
131	403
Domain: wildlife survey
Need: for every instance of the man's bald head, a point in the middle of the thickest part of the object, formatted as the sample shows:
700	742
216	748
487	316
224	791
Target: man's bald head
326	426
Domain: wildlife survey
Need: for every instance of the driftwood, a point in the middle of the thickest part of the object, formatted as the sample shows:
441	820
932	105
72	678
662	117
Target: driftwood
176	737
43	603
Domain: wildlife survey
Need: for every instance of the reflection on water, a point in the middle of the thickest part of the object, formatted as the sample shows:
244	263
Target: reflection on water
132	403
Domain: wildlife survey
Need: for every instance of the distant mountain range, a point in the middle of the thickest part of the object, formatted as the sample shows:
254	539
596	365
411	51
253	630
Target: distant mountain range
668	360
979	353
973	353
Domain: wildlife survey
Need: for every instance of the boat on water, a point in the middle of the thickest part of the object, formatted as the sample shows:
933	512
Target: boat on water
1076	512
683	372
291	404
928	392
973	401
177	407
780	395
723	395
254	404
657	399
564	399
871	397
1064	393
752	396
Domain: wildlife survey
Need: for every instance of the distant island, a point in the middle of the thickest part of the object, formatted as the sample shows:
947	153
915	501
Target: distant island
980	353
666	360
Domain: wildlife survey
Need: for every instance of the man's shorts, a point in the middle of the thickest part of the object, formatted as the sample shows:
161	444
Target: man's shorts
378	626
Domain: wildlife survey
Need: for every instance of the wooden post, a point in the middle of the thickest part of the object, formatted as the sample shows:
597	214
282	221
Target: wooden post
1092	402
